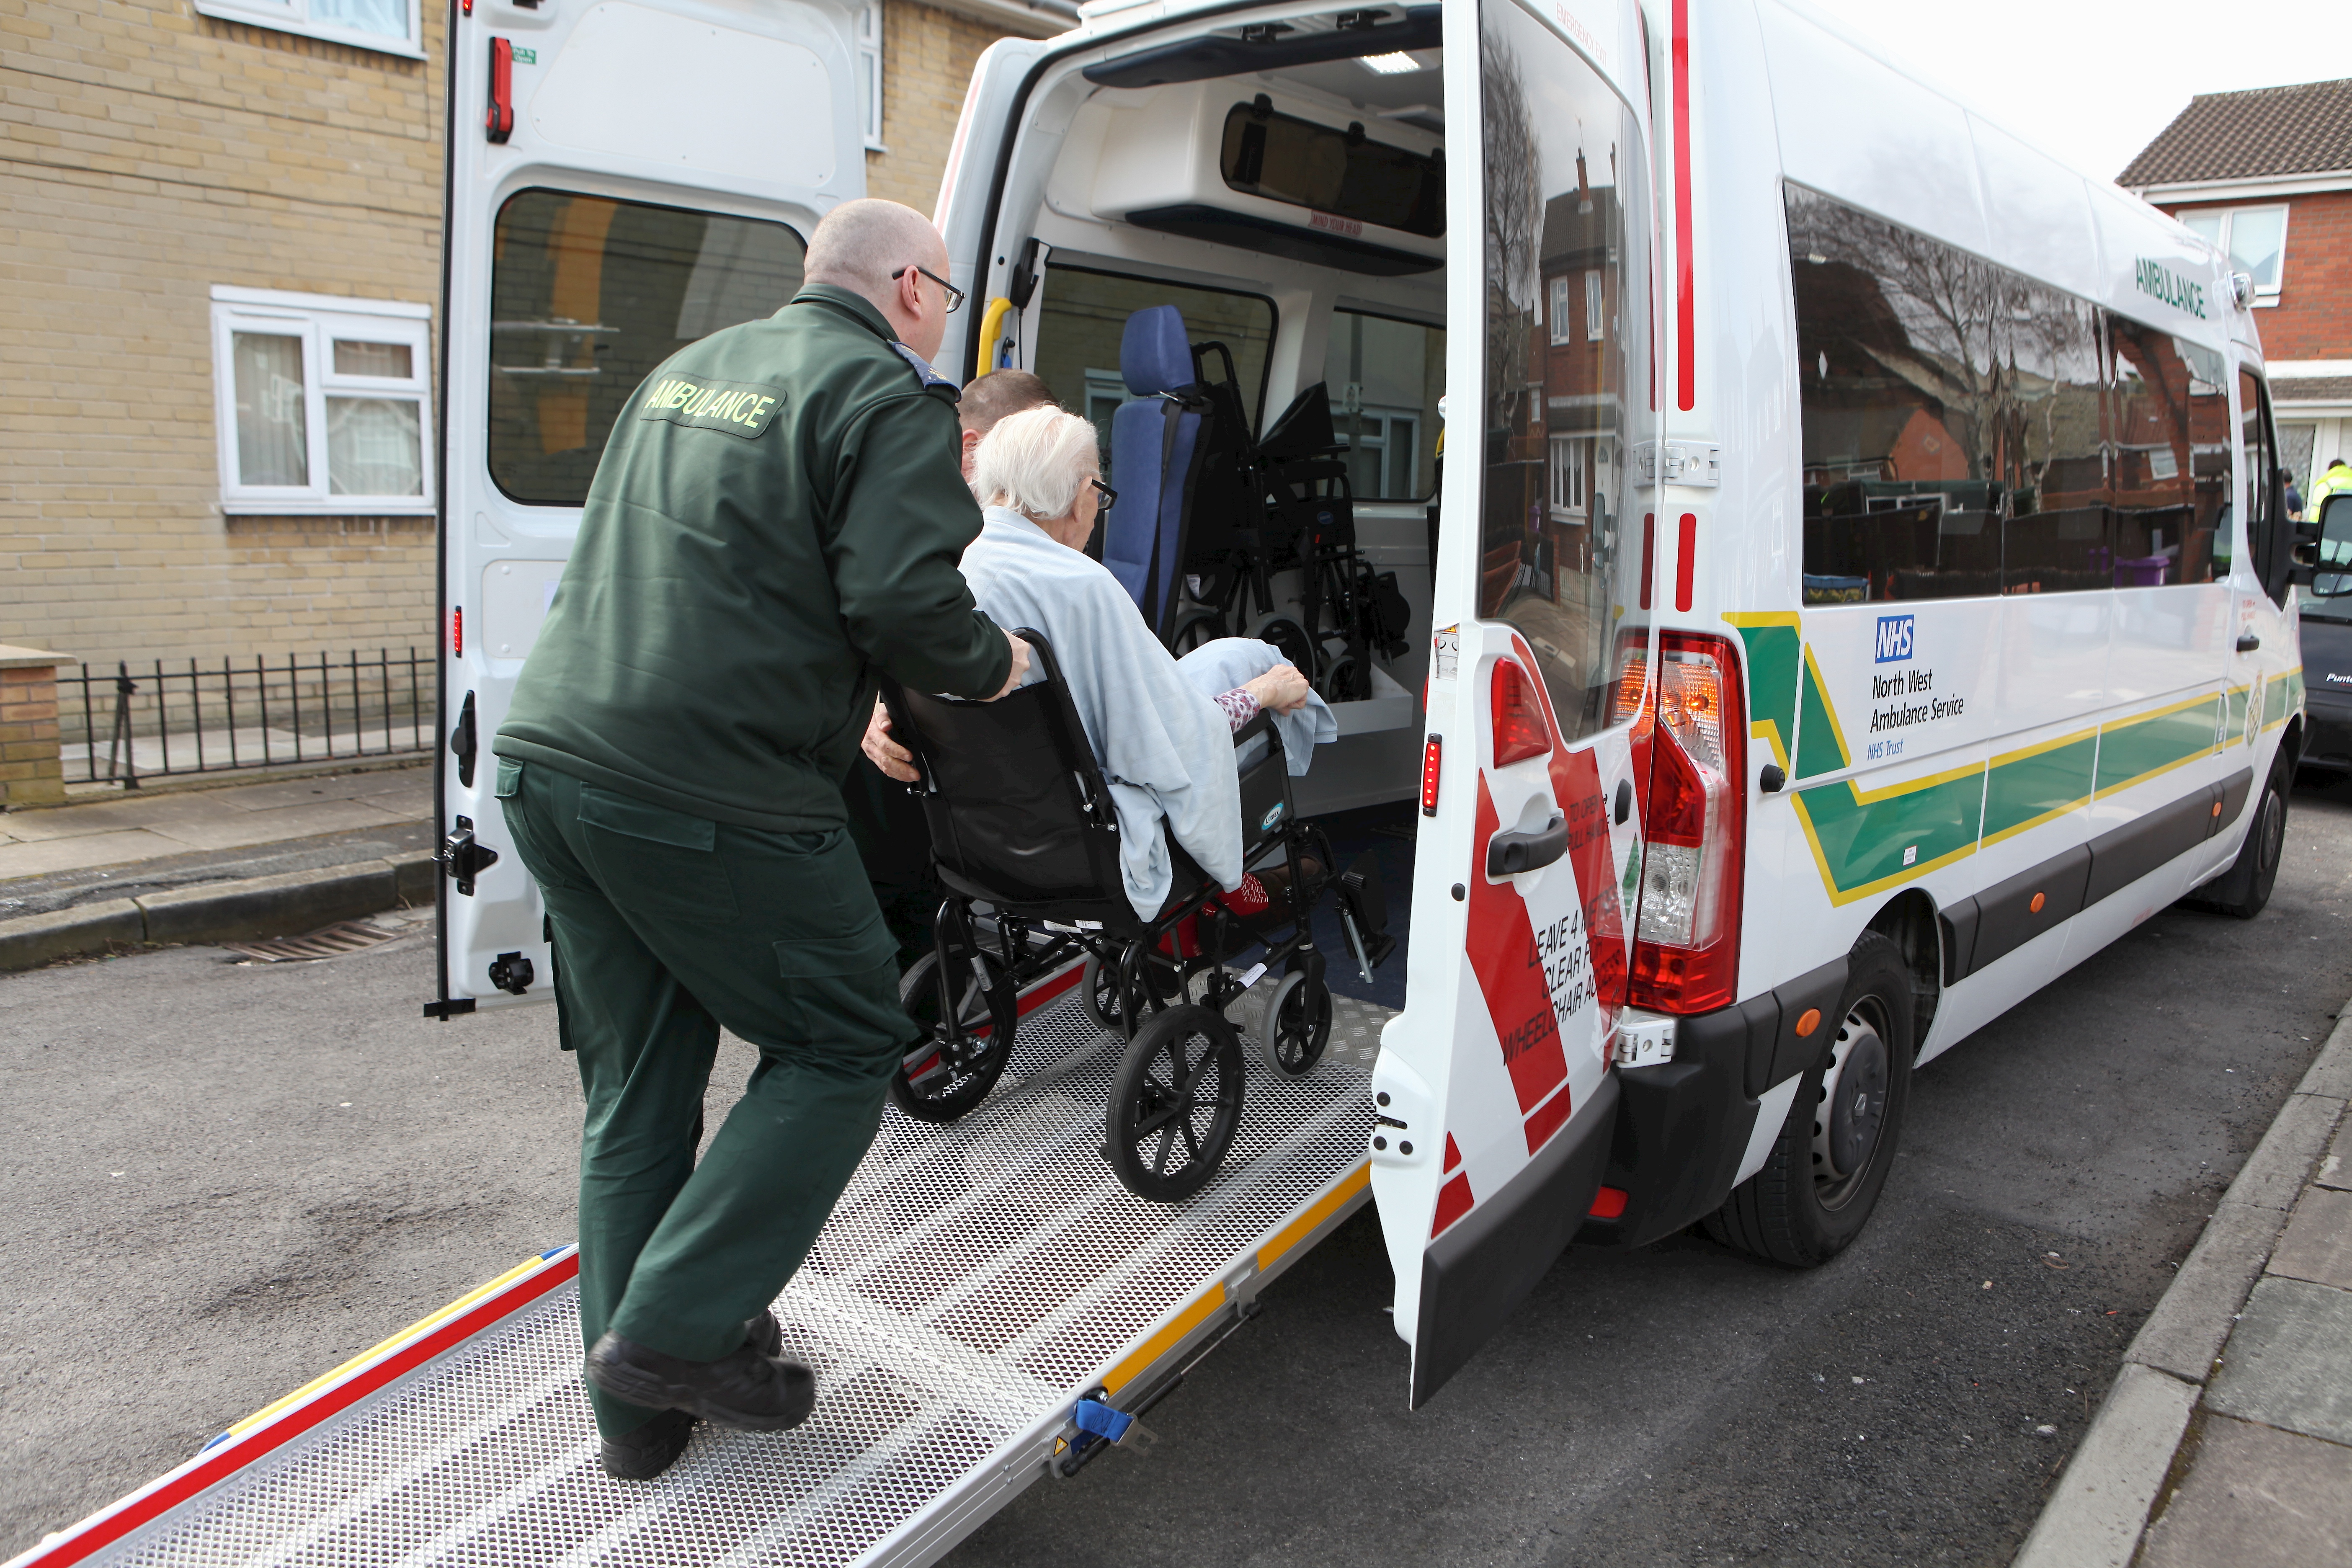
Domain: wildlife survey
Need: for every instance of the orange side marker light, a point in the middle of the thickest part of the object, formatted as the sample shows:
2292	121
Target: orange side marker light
1811	1021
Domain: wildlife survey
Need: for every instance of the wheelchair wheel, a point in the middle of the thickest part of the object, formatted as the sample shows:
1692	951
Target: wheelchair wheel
1195	627
1099	994
928	1085
1338	683
1290	640
1175	1104
1295	1025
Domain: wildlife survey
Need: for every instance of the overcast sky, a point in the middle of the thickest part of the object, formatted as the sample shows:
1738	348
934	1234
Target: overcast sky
2093	81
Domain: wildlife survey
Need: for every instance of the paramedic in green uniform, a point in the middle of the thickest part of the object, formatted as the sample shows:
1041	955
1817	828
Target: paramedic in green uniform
777	516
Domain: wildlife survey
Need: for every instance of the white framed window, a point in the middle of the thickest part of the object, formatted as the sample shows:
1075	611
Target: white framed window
322	402
388	27
869	74
2255	238
1559	291
1568	476
1593	306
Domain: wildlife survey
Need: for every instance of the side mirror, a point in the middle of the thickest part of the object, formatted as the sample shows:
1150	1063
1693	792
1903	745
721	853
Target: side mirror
2326	561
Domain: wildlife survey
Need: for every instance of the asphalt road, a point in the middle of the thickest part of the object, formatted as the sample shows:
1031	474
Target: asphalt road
222	1180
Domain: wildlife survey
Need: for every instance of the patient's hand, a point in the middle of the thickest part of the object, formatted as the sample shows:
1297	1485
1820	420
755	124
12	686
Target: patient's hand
1020	664
885	753
1279	689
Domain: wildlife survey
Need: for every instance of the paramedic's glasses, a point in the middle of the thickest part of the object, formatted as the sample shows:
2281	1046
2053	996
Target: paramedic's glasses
1103	492
955	295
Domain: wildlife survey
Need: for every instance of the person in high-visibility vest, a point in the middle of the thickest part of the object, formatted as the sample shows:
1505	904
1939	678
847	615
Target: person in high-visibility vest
2337	480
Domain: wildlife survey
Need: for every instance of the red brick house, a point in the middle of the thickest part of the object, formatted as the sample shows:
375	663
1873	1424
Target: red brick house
2269	174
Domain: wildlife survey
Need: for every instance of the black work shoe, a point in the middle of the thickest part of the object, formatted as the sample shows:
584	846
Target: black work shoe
764	1334
742	1389
646	1452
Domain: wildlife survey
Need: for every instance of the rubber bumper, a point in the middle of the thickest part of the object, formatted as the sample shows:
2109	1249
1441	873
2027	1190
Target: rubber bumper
2328	740
1681	1130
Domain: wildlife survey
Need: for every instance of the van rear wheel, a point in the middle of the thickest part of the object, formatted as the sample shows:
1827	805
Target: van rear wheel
1823	1178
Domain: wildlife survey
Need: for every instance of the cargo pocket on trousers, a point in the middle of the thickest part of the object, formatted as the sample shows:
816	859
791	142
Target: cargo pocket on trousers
844	990
650	859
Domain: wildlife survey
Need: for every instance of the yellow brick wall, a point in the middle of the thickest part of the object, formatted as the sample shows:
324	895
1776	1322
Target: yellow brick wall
927	60
147	154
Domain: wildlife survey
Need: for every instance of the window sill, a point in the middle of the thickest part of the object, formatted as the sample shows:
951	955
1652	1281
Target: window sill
877	147
277	21
341	506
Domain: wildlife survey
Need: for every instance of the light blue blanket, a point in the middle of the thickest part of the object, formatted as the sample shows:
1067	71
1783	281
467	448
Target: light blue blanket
1164	746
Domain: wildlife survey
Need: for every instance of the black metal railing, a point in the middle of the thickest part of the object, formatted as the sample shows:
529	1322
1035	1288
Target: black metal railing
243	713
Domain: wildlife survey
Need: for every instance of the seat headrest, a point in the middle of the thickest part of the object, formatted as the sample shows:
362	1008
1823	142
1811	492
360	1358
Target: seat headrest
1154	355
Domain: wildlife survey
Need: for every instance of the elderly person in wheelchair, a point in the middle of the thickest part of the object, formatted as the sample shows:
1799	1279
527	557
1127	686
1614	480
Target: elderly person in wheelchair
1161	727
1113	807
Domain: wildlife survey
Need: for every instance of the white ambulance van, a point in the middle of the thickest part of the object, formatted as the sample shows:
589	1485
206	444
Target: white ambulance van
1861	591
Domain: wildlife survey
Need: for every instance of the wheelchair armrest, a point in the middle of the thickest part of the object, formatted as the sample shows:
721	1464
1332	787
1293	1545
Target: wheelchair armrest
1261	723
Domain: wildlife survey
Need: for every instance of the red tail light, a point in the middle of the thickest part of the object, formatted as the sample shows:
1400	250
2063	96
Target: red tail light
1521	730
458	632
1694	829
1430	755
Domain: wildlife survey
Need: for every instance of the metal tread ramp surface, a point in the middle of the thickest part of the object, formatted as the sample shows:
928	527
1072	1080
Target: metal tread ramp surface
974	1282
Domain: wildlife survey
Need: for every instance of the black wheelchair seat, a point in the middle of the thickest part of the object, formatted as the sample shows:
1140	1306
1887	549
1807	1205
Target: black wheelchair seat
1025	840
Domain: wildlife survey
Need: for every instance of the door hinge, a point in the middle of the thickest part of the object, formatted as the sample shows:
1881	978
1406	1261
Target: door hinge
1696	463
463	859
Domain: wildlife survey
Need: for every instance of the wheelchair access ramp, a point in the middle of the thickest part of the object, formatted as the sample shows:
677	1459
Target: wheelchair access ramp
974	1283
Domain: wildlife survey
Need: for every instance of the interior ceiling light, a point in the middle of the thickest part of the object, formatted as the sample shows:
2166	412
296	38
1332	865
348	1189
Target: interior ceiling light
1399	64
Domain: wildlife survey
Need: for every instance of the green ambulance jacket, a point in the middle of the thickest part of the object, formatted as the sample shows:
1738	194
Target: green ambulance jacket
777	513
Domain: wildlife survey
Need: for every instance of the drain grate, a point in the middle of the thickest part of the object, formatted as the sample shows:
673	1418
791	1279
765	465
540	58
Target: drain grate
327	942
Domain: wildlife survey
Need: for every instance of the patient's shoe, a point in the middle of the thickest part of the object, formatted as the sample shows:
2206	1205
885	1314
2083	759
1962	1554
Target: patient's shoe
1264	900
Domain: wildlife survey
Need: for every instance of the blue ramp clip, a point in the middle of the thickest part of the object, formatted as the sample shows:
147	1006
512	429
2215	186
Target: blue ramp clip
1100	1420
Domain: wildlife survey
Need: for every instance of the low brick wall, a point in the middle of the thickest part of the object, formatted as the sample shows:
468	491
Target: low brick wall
31	771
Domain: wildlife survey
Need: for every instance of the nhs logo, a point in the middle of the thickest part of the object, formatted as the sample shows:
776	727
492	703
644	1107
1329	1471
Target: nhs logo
1894	638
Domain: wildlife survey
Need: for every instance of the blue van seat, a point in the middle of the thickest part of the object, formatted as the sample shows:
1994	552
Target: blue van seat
1153	440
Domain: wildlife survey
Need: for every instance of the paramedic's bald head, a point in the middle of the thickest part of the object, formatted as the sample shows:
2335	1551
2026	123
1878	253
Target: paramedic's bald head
860	245
994	397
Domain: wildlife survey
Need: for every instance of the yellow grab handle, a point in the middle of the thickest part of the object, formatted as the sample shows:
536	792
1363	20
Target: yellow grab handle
990	326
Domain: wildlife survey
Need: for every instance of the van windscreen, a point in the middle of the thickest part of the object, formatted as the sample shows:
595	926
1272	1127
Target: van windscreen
1343	173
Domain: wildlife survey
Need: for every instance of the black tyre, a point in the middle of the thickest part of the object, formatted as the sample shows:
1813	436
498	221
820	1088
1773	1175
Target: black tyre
1290	640
2245	887
1175	1104
1338	683
931	1084
1827	1167
1193	628
1295	1025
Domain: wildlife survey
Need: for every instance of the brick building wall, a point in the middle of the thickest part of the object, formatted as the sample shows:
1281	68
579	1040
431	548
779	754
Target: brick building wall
2312	319
152	154
928	54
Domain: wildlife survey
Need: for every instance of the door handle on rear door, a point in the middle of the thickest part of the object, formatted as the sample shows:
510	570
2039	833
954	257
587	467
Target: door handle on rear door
2248	642
1514	851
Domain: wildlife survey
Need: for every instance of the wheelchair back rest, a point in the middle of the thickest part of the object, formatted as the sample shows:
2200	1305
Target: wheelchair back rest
1154	441
1016	805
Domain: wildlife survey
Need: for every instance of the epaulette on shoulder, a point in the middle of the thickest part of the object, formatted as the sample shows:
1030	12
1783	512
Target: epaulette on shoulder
931	380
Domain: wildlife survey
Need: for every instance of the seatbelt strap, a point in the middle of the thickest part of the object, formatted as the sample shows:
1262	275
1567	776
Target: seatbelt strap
1155	597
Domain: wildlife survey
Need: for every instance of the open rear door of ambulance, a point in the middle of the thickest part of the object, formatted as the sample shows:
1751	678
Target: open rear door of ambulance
626	176
1493	1093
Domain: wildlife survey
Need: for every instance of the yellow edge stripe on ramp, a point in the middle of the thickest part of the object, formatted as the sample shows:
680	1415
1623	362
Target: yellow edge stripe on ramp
416	1329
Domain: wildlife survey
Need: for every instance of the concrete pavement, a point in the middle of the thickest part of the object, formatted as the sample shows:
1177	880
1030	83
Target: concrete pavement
90	834
2226	1441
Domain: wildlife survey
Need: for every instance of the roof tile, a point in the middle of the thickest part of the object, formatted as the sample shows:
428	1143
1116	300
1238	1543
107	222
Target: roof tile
2270	131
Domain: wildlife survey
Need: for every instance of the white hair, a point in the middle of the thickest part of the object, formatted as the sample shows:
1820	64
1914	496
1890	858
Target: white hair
860	244
1035	461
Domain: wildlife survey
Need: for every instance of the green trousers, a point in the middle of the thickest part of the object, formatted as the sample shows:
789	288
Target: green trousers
667	926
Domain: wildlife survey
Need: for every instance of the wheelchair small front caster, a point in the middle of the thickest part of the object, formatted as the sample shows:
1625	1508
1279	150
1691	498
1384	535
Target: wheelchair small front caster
1175	1104
932	1083
1293	1024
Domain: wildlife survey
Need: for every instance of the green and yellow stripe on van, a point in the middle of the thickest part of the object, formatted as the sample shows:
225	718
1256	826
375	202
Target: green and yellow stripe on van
1867	841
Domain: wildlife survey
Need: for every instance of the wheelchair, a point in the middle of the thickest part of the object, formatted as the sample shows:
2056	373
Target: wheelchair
1025	844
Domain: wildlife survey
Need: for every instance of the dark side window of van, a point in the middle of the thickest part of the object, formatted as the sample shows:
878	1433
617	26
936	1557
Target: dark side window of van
1343	173
1970	431
1385	377
1561	539
587	296
1084	318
